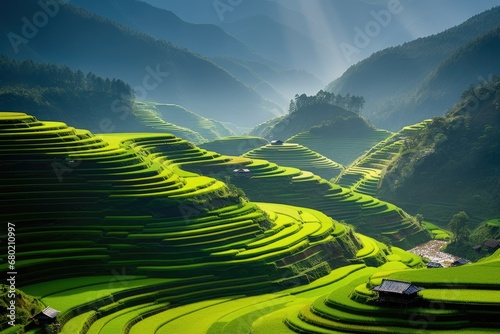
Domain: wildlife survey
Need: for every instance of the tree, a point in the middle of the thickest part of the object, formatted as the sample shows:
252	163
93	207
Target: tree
458	225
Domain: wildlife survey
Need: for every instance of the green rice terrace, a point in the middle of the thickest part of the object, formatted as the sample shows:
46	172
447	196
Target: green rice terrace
148	116
265	181
298	156
208	129
343	149
364	174
147	233
234	145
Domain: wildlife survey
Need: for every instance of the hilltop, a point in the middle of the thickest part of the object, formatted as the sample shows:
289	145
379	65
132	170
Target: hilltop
323	110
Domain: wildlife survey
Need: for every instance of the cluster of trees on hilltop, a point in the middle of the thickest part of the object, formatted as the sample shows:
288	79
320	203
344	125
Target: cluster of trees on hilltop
50	91
349	102
326	112
343	126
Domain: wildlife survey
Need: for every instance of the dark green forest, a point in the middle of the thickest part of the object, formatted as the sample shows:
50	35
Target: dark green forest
452	164
57	92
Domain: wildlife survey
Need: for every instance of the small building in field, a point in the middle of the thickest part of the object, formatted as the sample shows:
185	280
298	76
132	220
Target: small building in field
434	265
276	142
460	262
492	245
397	292
242	172
47	316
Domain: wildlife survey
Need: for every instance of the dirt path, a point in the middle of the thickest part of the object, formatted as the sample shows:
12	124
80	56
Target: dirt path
431	250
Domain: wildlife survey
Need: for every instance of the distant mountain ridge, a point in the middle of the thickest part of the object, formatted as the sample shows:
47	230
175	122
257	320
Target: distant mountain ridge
411	82
156	70
206	39
271	79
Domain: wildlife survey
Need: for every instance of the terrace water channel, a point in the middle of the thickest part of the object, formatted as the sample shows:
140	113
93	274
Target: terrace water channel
432	251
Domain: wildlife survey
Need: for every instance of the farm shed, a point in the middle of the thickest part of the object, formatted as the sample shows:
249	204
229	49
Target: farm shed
46	316
460	262
276	142
434	265
492	245
242	172
397	292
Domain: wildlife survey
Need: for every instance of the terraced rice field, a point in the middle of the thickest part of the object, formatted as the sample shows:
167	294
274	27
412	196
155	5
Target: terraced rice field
122	203
298	156
208	129
122	236
151	118
343	150
234	145
451	301
364	174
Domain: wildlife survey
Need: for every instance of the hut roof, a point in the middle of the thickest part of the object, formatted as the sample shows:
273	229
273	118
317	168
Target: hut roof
398	287
48	312
492	243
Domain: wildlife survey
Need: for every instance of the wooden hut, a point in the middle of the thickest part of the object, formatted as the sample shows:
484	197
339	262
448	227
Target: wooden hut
397	292
46	316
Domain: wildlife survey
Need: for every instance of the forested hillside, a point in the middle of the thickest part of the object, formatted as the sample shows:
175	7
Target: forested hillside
58	92
410	82
451	165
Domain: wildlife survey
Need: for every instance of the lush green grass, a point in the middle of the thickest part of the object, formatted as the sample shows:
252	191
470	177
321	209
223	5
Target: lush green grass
462	296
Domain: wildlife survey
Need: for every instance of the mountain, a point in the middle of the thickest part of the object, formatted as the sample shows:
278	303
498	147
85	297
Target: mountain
272	80
335	24
451	164
325	112
207	39
157	70
424	76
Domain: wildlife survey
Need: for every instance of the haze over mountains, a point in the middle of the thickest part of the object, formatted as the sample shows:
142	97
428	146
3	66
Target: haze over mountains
156	70
329	23
242	62
423	78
